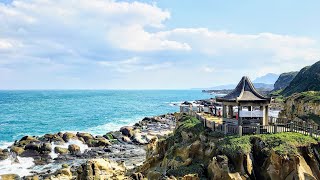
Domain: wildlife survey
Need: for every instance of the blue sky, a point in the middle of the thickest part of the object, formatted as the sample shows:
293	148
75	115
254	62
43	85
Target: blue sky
165	44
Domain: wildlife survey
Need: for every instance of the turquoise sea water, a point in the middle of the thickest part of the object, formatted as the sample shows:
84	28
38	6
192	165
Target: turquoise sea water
95	111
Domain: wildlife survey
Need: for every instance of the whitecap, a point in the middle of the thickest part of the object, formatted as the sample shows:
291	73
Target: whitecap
5	144
79	143
113	126
22	166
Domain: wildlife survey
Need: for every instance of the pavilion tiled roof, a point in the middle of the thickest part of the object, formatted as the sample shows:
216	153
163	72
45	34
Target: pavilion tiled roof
245	91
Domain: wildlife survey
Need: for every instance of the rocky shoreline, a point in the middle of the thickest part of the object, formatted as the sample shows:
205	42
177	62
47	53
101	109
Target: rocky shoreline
81	155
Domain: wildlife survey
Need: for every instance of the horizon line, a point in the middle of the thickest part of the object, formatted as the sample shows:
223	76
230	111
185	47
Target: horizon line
87	89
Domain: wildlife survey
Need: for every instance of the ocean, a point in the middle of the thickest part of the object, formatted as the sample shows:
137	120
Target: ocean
37	112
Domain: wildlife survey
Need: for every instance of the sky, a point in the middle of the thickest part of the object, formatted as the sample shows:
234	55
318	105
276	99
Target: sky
163	44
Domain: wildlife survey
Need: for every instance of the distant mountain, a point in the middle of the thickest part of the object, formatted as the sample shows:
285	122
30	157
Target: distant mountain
222	87
284	80
263	83
308	79
261	86
269	78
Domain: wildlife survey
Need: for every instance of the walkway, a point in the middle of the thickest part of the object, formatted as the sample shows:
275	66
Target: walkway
230	126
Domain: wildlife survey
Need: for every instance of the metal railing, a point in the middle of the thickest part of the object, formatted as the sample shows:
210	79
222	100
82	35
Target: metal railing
283	126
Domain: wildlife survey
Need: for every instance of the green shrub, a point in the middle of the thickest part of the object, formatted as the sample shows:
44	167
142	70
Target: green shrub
281	143
184	170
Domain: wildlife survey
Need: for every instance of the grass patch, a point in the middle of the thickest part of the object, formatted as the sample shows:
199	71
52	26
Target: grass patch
214	134
287	143
309	96
281	143
233	145
110	137
189	124
277	96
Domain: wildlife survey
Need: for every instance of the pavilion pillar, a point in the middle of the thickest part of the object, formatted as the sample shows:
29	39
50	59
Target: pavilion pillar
265	120
215	110
239	117
224	111
230	109
249	108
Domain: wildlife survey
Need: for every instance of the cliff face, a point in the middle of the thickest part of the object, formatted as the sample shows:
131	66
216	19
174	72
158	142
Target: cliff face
304	105
308	79
284	80
194	153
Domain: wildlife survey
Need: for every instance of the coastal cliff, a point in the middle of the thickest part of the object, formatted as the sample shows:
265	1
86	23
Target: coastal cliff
308	79
284	80
305	105
192	152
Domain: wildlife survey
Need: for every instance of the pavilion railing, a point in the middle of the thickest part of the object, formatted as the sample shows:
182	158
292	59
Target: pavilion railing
284	126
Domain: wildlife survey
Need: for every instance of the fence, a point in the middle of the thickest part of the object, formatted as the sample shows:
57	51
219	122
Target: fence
283	126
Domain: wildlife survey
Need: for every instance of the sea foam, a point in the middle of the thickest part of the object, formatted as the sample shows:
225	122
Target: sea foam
82	146
20	166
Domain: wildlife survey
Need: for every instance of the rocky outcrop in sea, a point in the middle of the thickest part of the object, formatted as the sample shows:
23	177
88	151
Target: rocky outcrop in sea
67	155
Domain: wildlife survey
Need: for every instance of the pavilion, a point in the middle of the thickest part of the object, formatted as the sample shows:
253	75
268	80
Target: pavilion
245	96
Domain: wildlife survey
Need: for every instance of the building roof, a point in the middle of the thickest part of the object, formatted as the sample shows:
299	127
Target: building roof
245	91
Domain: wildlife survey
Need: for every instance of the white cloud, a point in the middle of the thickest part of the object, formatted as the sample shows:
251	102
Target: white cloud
208	69
67	38
276	46
135	38
82	26
4	44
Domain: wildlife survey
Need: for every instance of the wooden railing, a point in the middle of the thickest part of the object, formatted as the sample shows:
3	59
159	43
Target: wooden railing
283	126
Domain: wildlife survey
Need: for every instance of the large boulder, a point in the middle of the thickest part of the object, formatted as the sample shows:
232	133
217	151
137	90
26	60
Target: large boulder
291	167
126	139
67	136
74	149
219	169
85	136
56	138
98	141
138	139
61	150
4	154
30	153
127	131
28	138
62	174
9	177
102	142
33	146
45	148
101	169
42	148
25	141
17	150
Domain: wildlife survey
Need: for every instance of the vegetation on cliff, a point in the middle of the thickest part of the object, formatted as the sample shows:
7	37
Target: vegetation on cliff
308	79
192	149
284	80
281	143
304	105
309	96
